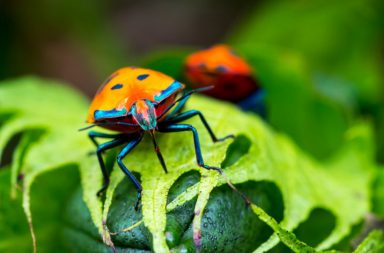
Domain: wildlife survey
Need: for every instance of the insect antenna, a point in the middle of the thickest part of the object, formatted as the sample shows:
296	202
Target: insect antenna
158	152
87	127
188	93
185	95
108	124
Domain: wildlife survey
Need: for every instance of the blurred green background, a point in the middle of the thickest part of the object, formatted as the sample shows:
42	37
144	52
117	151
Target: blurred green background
84	41
321	62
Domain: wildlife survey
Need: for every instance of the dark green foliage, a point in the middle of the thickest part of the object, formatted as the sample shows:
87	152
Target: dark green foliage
228	225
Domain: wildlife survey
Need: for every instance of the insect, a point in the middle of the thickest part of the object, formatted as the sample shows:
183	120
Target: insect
231	75
134	101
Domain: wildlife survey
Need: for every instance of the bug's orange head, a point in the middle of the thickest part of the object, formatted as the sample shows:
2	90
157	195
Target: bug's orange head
144	113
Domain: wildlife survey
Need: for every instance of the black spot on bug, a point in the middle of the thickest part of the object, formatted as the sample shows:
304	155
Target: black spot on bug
142	77
117	86
106	82
221	69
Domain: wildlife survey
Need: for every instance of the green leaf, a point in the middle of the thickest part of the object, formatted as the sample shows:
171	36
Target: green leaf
305	183
49	199
378	193
373	243
180	158
51	108
336	185
225	216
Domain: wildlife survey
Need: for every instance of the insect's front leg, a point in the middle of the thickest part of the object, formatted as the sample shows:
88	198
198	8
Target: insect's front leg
128	148
100	149
93	135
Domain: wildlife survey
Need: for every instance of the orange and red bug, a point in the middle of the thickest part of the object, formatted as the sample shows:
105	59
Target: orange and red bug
134	101
232	77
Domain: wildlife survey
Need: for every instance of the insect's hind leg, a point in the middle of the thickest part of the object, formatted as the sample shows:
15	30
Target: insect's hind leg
186	127
128	148
189	114
99	151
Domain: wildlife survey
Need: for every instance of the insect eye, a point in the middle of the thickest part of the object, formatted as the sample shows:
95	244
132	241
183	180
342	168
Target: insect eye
221	69
117	86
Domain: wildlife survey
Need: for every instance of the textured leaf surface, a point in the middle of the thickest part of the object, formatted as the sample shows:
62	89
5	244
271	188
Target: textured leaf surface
305	183
336	185
48	200
378	193
56	111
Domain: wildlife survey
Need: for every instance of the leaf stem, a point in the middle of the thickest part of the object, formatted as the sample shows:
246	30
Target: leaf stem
288	238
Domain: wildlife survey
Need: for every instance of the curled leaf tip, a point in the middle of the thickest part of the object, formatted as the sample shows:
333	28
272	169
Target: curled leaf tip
107	237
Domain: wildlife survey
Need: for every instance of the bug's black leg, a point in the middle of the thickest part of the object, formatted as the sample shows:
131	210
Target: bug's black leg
100	149
131	144
189	114
93	135
186	127
158	152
